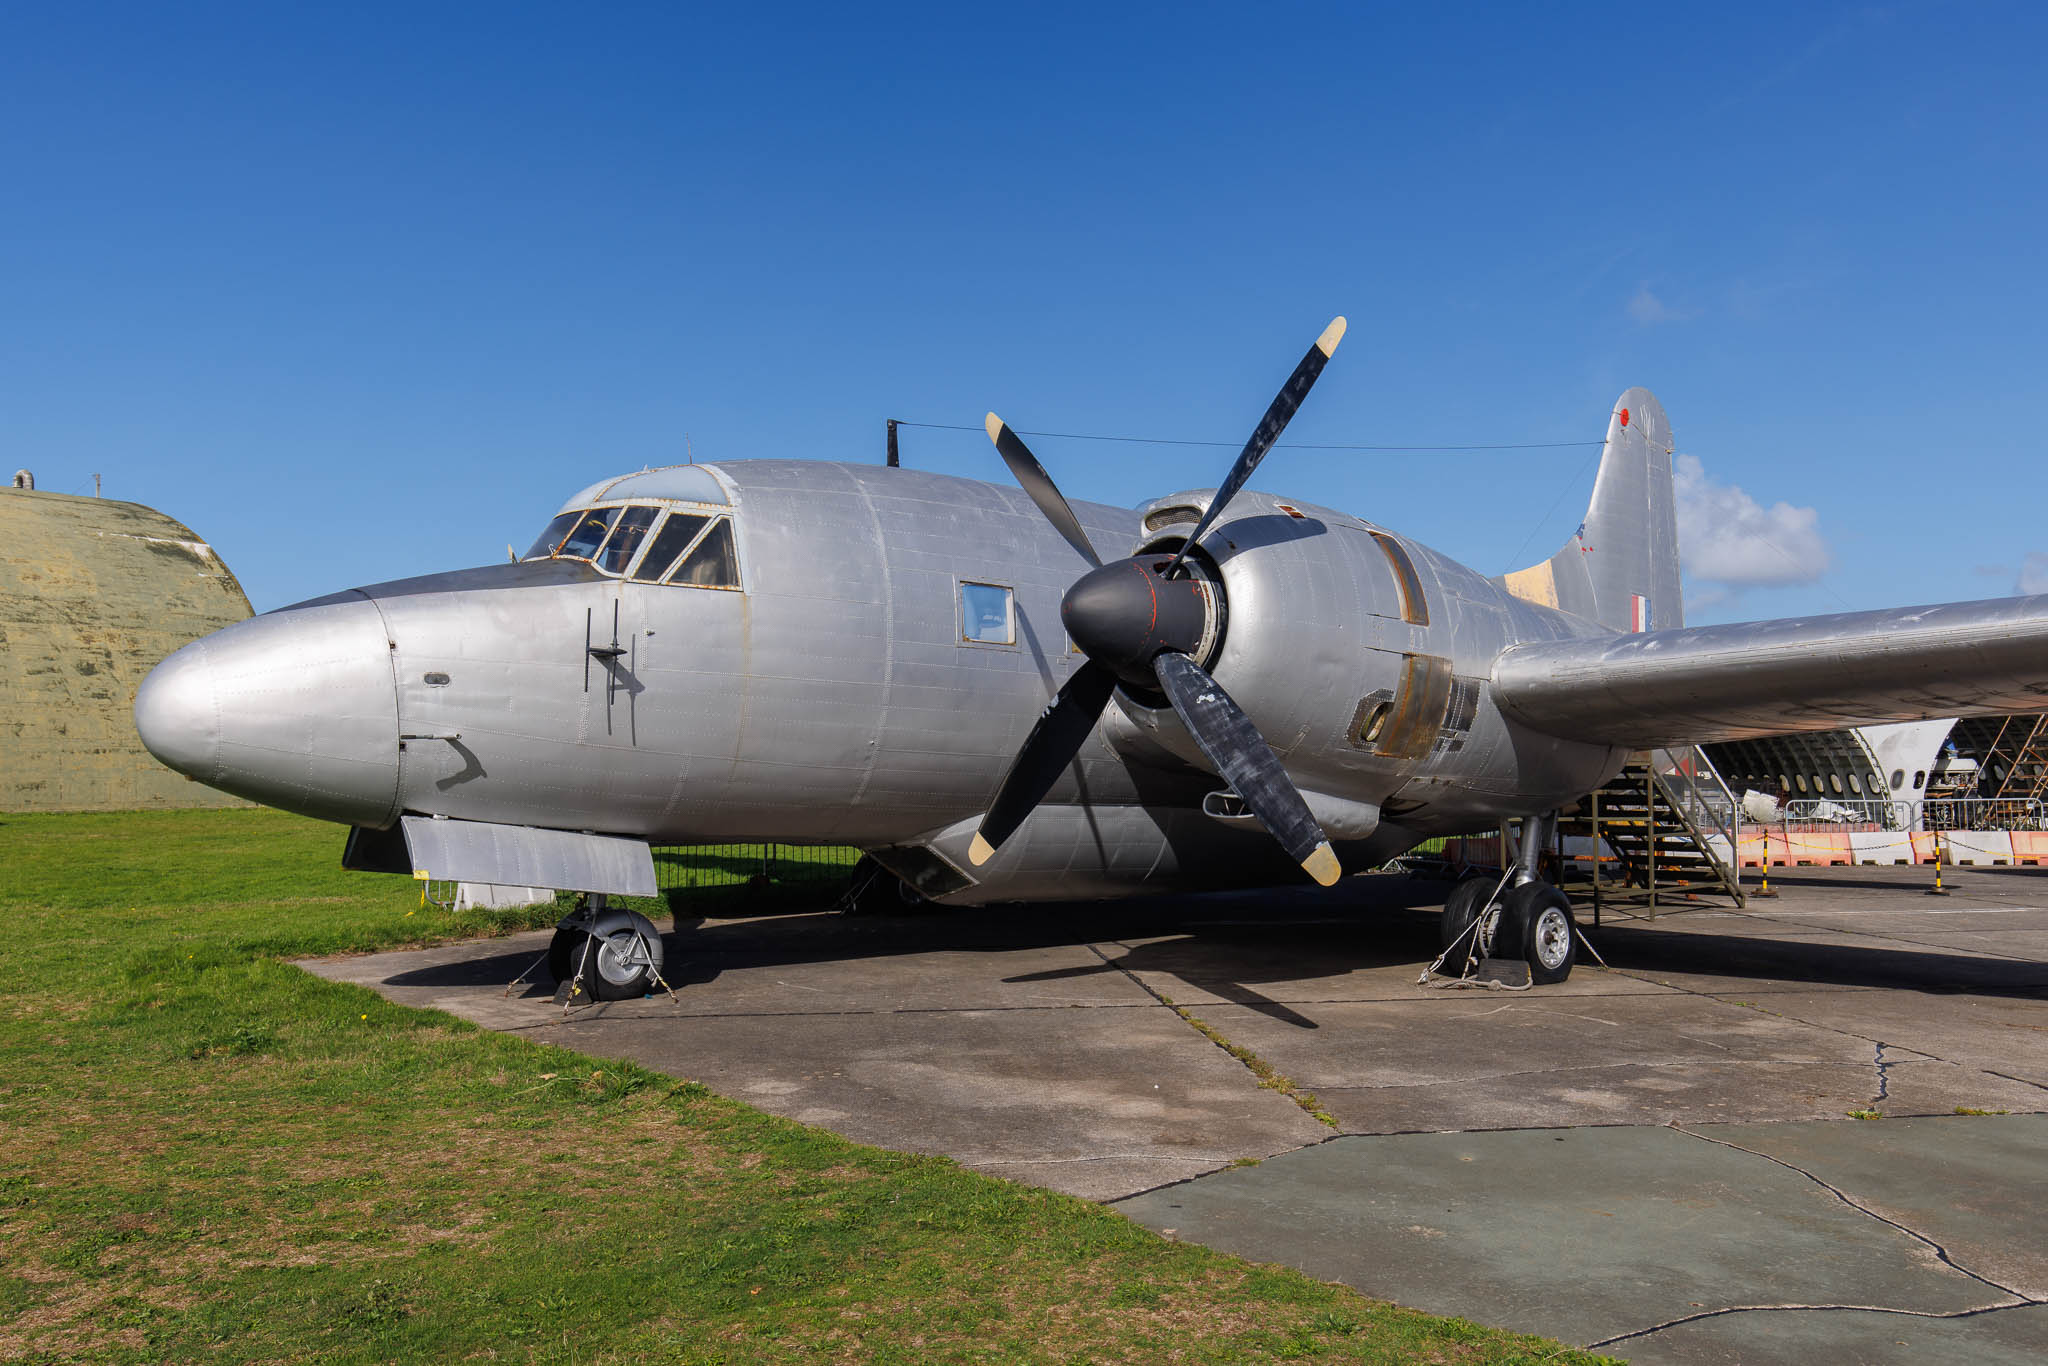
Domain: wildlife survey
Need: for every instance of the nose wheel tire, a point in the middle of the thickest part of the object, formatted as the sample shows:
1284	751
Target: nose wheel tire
1536	925
616	958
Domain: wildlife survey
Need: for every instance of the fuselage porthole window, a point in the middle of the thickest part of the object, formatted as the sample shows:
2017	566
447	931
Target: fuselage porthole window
1919	779
551	539
712	564
677	535
627	534
987	615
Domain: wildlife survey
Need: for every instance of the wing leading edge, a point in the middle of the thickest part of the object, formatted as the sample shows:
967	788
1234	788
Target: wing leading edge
1703	684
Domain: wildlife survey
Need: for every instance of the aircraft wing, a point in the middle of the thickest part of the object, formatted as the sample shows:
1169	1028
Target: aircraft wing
1702	684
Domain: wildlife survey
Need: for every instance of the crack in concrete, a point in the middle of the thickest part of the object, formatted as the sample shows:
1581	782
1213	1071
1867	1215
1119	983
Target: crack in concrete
1978	1311
1883	1066
1587	1067
1268	1077
2010	1077
1941	1253
1232	1165
1884	1083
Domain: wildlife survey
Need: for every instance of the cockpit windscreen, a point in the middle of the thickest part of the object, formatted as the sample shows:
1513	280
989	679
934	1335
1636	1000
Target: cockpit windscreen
677	532
545	545
692	549
625	538
589	532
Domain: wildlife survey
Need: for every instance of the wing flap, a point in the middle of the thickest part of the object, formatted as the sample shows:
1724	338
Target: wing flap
1704	684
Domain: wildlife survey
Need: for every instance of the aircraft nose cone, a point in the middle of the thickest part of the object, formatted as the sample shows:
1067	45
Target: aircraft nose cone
296	709
177	716
1123	614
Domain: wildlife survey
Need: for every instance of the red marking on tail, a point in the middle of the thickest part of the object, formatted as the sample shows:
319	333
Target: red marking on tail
1624	417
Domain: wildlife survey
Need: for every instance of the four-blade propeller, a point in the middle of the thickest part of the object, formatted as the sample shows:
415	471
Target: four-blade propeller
1141	621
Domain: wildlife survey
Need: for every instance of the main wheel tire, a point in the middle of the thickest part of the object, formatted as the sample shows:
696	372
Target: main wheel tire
623	959
1461	908
1536	926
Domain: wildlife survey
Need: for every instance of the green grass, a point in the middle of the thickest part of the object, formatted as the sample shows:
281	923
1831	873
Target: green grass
208	1154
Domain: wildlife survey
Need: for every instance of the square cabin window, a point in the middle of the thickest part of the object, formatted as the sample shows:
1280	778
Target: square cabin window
986	616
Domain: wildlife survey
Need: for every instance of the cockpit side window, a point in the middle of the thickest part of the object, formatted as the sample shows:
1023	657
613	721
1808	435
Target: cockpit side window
712	564
582	543
675	537
627	534
551	538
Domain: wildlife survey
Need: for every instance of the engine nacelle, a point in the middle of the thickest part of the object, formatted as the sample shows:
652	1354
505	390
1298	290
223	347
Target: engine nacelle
1364	659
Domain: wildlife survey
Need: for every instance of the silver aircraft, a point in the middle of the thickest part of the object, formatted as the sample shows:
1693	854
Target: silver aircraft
1002	696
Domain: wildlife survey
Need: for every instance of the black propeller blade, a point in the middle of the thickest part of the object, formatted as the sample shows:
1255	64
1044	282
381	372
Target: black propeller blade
1247	762
1137	622
1051	746
1031	476
1268	431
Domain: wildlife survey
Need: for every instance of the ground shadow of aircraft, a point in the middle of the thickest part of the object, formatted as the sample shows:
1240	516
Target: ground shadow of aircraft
1231	945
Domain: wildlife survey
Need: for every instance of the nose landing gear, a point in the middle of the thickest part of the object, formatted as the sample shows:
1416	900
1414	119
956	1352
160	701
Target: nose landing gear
606	953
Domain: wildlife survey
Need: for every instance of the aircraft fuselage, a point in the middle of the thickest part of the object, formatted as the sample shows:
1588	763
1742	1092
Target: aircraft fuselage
839	693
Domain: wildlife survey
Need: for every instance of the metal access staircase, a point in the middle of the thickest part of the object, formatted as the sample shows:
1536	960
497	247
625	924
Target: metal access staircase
1656	818
2015	766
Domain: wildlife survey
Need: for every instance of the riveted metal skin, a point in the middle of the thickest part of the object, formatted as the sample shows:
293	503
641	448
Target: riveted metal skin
292	709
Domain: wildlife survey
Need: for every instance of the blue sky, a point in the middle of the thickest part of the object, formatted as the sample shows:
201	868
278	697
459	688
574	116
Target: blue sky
360	292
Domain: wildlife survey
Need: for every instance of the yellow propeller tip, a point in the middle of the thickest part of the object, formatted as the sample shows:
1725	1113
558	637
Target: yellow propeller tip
1334	333
1322	865
981	851
994	425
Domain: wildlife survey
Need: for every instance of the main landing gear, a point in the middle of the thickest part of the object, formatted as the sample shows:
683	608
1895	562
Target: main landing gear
608	953
1515	915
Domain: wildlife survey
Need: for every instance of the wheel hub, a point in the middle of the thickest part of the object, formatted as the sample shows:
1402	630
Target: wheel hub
1553	937
620	957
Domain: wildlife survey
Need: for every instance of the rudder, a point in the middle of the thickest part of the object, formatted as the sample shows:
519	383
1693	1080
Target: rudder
1620	568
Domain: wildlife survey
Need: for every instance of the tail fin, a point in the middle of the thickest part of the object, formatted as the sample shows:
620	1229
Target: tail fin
1620	568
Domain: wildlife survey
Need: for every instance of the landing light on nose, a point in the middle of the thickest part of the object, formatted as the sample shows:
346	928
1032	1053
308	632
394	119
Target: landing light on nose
296	709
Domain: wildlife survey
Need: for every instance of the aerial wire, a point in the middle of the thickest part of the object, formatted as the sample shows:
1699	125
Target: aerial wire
1389	450
1544	521
1284	445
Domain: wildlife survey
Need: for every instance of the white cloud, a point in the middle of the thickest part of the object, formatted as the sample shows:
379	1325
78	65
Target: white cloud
2033	574
1646	308
1727	537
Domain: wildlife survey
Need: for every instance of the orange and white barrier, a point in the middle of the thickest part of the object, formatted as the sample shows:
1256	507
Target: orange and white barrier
2030	846
1819	848
1749	847
1881	846
1967	847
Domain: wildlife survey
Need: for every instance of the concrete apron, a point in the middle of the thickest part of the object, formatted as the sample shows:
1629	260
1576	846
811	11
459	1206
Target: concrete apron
1696	1192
